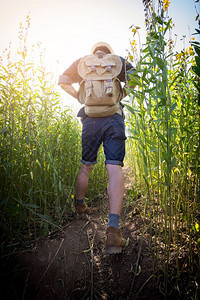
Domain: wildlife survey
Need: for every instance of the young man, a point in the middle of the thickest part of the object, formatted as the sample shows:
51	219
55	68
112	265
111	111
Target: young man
102	123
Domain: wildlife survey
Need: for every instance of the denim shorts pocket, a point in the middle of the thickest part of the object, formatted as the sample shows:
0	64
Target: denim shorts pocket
119	131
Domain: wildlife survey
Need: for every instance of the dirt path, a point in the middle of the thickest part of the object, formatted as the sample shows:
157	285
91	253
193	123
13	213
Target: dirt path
72	264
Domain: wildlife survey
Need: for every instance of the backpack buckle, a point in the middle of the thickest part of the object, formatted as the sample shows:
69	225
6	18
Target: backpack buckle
109	87
92	68
109	69
100	54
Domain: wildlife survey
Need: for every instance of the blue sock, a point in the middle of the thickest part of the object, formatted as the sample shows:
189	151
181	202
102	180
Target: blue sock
81	201
113	220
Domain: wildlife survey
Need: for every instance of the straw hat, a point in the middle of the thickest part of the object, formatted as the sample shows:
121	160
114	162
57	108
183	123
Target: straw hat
103	45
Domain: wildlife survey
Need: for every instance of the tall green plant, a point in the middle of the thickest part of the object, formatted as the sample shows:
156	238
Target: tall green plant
164	130
40	147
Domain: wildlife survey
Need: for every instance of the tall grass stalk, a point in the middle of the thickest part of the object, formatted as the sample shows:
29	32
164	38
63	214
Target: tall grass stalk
40	147
164	129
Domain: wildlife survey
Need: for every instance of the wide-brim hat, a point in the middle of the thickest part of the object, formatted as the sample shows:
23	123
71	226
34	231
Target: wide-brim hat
102	44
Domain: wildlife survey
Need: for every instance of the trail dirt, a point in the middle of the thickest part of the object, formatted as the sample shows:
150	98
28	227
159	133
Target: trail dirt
72	264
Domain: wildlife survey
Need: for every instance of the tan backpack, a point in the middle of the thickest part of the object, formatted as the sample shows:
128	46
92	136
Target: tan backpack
100	89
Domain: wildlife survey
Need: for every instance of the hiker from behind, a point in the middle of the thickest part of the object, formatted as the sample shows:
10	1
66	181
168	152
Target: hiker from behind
99	75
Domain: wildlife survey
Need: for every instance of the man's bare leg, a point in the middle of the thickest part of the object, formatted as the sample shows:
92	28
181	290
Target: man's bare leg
82	181
81	188
115	188
114	240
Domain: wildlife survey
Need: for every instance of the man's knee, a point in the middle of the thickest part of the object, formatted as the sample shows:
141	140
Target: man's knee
87	168
113	167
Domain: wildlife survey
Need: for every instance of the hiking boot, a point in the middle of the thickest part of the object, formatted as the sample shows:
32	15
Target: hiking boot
82	208
114	240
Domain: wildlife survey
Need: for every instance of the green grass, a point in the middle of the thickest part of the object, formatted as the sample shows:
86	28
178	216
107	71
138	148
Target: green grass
163	147
40	148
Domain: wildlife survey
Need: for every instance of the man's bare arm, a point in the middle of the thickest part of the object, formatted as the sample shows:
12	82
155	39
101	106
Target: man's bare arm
69	89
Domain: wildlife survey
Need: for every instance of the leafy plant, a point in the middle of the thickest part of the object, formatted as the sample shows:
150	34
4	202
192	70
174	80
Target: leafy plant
40	146
163	123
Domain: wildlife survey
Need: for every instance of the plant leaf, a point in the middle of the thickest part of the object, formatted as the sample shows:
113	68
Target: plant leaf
173	107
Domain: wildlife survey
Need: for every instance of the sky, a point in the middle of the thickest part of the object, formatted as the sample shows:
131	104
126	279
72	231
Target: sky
67	29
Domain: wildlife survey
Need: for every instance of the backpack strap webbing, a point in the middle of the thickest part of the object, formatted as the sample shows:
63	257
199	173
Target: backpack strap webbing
109	86
88	87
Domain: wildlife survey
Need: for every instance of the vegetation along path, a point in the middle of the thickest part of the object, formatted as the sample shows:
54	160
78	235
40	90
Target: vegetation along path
40	150
71	263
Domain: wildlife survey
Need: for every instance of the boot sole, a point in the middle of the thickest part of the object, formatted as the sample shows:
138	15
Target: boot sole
113	250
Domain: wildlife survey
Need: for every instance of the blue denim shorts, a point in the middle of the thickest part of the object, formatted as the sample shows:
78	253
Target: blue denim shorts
108	130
